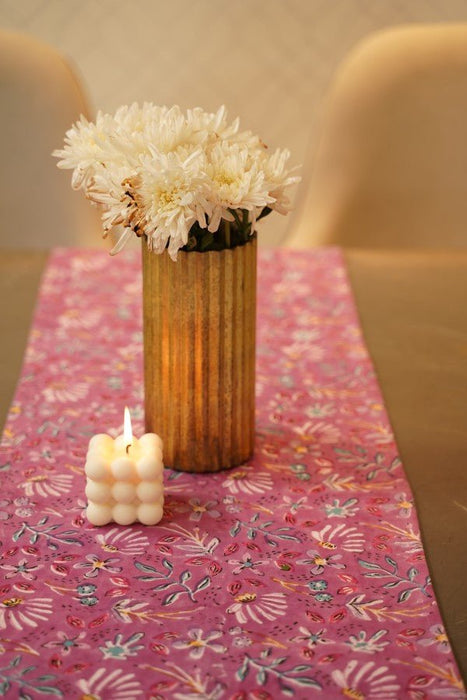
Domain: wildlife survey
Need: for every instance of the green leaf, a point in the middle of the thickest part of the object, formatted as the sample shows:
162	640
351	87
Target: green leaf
405	595
72	540
369	565
148	578
4	687
26	670
261	677
212	544
300	669
243	672
236	529
266	211
412	573
310	682
206	241
49	689
290	538
191	243
144	567
185	576
392	563
204	583
20	532
279	661
171	598
160	587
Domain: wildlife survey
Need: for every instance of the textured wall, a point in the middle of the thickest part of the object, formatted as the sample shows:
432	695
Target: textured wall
268	61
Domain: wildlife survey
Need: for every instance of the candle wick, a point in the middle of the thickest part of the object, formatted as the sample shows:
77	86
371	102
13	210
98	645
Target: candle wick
127	448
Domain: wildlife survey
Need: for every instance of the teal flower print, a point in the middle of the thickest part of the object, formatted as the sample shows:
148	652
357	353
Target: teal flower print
346	510
372	645
89	601
247	564
23	569
312	639
323	597
119	649
65	643
319	585
300	471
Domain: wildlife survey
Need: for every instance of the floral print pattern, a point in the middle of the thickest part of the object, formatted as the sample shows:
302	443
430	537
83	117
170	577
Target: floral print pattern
299	574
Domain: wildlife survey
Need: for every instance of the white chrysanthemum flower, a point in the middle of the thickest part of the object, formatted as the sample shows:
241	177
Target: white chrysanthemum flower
132	120
211	127
82	152
236	182
169	131
279	179
171	196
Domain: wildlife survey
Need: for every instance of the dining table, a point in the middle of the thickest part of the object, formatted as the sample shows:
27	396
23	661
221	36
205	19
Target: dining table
334	562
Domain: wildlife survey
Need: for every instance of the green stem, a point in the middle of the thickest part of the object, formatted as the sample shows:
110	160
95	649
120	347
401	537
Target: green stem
227	233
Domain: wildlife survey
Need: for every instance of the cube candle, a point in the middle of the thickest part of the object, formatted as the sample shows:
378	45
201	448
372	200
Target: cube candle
124	479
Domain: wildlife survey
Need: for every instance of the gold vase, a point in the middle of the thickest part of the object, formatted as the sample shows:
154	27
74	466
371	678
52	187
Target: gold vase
199	317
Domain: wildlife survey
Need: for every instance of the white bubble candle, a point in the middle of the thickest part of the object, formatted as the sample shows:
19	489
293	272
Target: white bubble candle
124	478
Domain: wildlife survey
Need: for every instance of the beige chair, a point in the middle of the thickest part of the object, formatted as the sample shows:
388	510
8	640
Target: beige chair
40	98
390	168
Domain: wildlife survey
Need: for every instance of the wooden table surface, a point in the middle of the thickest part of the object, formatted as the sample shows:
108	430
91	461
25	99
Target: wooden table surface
413	310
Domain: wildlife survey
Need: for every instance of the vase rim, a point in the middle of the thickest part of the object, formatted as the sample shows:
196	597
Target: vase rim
251	239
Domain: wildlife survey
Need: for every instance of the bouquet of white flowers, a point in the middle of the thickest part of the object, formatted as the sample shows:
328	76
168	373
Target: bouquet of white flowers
188	181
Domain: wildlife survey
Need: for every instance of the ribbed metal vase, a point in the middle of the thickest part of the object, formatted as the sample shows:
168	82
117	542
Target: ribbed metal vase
199	317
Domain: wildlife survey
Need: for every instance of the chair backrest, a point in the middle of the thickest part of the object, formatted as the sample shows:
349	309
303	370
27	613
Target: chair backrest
390	169
40	97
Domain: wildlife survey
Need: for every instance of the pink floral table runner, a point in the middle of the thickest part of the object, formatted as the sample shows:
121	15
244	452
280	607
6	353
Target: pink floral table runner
300	574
